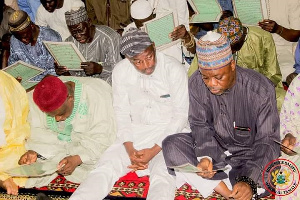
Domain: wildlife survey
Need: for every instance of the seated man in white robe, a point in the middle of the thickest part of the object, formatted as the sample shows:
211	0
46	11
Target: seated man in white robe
150	102
72	123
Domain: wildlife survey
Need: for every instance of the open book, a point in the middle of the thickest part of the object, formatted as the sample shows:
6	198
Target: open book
26	71
65	54
294	152
250	12
205	11
189	168
37	169
159	29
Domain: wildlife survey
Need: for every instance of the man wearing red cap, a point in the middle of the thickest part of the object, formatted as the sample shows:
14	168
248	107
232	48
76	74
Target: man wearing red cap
72	124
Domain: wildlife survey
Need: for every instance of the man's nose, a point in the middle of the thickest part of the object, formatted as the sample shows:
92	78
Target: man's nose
147	64
213	82
59	118
25	41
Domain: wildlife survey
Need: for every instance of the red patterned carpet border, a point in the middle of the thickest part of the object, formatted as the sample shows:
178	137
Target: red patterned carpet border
128	186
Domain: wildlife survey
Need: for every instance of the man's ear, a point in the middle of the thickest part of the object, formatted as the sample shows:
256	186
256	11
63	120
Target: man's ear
89	22
129	58
32	25
71	98
153	44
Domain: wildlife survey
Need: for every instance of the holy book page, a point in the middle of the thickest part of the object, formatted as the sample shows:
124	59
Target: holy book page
159	29
250	12
37	169
65	54
189	168
205	11
26	71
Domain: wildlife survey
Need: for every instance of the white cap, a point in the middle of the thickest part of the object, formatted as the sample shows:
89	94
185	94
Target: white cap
140	9
211	36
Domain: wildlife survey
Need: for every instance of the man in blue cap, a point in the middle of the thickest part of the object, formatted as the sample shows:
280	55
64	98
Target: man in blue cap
234	120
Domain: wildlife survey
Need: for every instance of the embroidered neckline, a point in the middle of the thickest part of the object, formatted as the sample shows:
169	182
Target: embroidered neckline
65	134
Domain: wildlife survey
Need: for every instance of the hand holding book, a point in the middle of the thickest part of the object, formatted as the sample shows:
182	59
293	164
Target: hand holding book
288	144
189	168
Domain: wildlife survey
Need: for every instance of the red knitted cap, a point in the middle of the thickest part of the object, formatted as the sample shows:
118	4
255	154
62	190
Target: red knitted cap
50	94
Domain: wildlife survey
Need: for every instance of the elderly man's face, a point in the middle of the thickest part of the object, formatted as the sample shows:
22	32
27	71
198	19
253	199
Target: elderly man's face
145	62
25	35
219	80
81	32
49	5
64	111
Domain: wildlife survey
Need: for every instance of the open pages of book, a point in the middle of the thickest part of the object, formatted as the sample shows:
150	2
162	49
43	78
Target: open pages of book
37	169
65	54
189	168
205	11
250	12
159	29
26	71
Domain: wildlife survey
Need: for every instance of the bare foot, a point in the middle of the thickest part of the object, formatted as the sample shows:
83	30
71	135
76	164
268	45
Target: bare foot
10	186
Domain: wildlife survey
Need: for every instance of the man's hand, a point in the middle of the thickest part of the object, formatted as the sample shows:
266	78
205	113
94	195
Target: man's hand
241	191
290	78
10	186
19	79
28	157
132	153
91	68
269	25
206	166
67	165
143	157
180	32
61	70
288	141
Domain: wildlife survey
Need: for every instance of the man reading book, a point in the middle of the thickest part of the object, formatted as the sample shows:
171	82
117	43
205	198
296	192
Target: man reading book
26	43
72	123
234	121
99	44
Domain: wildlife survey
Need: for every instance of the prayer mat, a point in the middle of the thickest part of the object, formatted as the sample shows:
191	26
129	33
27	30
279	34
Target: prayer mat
30	194
129	187
186	192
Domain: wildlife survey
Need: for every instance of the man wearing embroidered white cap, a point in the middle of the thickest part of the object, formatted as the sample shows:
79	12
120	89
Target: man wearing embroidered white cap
141	11
234	123
99	44
52	14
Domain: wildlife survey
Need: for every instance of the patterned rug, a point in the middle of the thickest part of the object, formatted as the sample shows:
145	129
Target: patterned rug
128	187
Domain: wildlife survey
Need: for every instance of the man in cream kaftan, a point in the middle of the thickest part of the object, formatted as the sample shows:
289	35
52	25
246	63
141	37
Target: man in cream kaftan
92	127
